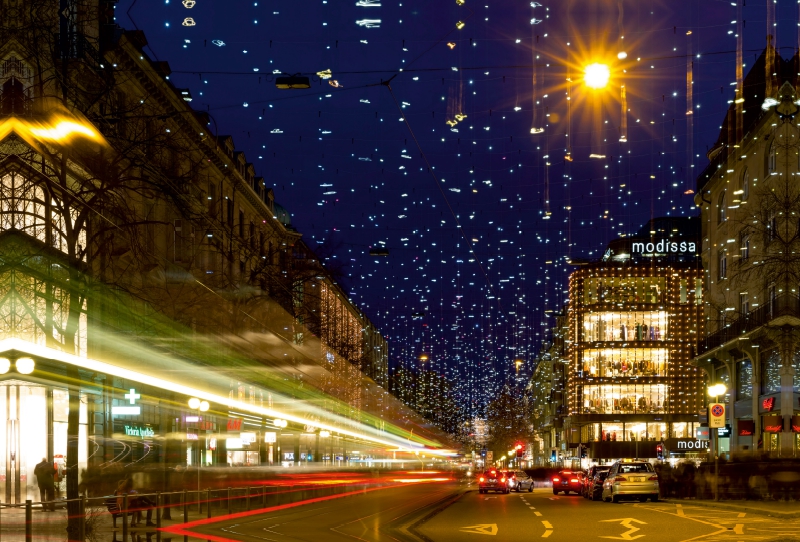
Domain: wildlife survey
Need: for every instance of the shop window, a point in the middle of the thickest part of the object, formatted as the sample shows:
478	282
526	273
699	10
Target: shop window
744	379
627	398
624	290
626	326
770	373
621	362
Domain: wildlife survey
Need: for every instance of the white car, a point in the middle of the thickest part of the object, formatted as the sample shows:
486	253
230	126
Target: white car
637	480
518	480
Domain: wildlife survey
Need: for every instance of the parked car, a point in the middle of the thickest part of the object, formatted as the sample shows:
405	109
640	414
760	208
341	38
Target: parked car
596	491
589	483
519	480
636	480
493	480
566	481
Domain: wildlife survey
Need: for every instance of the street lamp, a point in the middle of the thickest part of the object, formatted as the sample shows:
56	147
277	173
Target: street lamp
596	75
715	391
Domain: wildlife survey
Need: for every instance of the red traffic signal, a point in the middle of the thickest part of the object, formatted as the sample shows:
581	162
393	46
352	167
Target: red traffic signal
519	449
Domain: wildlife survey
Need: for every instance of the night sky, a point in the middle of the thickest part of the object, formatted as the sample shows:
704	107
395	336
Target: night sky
470	241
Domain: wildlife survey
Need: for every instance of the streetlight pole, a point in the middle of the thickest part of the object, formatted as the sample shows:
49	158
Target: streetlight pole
198	406
715	391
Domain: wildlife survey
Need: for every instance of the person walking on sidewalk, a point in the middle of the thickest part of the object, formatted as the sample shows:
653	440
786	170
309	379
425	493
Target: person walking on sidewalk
135	502
44	473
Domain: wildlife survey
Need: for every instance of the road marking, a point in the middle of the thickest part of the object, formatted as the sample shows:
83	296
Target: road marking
739	529
741	514
547	533
532	507
628	523
538	514
547	525
483	528
680	510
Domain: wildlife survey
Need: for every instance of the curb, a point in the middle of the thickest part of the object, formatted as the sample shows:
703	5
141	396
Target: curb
738	508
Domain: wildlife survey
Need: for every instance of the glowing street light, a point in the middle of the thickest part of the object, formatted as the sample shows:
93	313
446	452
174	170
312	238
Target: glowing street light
596	75
716	390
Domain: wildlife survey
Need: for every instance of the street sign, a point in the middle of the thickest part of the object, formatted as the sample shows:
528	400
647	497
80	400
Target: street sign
702	433
724	432
716	415
489	455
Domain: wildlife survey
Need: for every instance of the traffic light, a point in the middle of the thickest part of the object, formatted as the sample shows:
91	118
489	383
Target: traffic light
520	450
660	451
582	450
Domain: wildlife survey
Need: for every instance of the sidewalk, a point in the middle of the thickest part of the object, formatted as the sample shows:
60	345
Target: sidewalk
775	509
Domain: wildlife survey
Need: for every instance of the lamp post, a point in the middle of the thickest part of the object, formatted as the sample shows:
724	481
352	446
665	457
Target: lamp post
199	406
715	391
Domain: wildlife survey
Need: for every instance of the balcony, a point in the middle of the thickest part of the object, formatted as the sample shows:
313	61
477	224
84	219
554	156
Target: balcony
784	305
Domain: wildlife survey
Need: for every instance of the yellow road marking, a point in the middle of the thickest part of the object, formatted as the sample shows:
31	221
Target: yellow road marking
739	529
741	514
547	525
539	514
546	534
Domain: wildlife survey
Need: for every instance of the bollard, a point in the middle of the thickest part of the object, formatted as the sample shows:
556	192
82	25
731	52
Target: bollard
228	501
208	508
82	517
167	508
28	521
248	498
125	516
200	503
159	504
185	507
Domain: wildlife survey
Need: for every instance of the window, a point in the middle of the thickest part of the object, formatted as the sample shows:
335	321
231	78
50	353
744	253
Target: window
241	223
722	212
745	250
723	265
772	226
212	199
229	209
744	303
771	295
745	184
770	373
744	379
772	159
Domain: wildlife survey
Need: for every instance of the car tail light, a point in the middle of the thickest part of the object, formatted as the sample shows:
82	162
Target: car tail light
620	479
555	479
653	478
574	480
482	479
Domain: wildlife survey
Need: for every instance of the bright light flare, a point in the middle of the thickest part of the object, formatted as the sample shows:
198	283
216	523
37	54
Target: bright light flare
596	75
59	129
622	55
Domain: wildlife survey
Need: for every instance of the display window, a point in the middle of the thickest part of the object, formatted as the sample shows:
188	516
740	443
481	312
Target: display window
625	326
624	290
615	362
627	398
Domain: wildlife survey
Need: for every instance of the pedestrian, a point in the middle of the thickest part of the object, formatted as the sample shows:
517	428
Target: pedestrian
44	473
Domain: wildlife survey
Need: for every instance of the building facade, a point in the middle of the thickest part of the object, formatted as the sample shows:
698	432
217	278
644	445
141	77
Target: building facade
748	196
634	318
157	308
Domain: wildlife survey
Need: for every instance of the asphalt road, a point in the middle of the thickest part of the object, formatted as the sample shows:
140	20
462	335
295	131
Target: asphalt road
525	516
449	512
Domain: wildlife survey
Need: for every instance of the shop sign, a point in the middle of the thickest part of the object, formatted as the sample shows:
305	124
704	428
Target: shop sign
233	443
746	428
270	437
689	444
773	424
248	438
192	436
205	425
192	419
724	432
212	444
768	404
288	456
142	432
234	424
702	433
796	424
663	247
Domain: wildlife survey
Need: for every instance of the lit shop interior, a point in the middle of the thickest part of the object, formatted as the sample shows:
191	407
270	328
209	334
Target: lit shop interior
631	378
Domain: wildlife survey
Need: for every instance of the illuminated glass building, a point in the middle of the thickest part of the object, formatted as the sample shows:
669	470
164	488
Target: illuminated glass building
633	323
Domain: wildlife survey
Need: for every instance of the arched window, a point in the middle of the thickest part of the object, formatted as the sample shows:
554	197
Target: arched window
772	159
722	211
722	267
745	184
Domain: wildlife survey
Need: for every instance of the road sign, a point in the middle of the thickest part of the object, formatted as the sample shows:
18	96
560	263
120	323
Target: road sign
724	432
483	528
489	455
716	415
